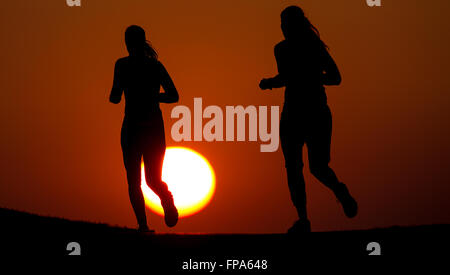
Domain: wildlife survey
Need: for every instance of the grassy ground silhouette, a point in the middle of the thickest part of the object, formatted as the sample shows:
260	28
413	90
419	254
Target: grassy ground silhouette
25	234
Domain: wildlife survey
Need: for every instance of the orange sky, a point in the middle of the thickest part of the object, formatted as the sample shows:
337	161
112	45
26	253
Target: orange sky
60	138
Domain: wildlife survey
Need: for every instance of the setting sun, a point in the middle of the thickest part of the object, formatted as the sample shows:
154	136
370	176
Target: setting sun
190	178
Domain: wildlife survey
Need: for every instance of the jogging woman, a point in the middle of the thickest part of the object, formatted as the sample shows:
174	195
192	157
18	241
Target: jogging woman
304	67
139	76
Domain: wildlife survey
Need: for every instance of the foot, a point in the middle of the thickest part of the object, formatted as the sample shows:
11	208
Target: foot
145	229
300	227
170	210
347	201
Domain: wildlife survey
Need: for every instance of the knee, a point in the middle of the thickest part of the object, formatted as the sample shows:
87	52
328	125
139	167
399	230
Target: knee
293	164
148	178
134	181
153	180
159	187
318	170
294	172
134	188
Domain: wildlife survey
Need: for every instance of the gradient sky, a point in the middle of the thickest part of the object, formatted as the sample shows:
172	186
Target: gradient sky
60	142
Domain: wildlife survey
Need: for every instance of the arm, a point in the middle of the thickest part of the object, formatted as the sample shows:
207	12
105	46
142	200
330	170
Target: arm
277	81
117	90
331	75
170	94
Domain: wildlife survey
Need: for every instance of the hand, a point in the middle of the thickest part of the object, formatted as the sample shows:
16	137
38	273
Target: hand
265	84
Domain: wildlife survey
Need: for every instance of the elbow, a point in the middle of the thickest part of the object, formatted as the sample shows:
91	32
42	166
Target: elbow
114	100
174	97
332	81
115	96
166	98
173	100
338	80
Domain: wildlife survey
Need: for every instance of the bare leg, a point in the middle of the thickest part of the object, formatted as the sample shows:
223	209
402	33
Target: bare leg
292	145
296	183
136	196
154	152
132	161
319	143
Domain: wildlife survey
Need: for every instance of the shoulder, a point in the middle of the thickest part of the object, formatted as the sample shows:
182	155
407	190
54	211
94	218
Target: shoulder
280	46
121	61
157	62
160	66
153	62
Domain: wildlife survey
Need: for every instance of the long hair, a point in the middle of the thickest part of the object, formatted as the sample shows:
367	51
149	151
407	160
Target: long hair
296	26
137	43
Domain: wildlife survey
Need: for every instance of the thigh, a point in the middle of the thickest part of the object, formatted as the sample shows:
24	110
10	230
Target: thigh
292	140
131	152
153	151
318	138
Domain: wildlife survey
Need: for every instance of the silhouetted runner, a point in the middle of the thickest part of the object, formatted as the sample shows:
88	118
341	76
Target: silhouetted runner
304	67
140	76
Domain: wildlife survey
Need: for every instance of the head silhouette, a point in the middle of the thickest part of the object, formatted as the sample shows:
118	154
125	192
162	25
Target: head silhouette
136	42
297	27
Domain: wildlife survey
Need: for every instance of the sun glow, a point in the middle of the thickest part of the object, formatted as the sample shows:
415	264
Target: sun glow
190	178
